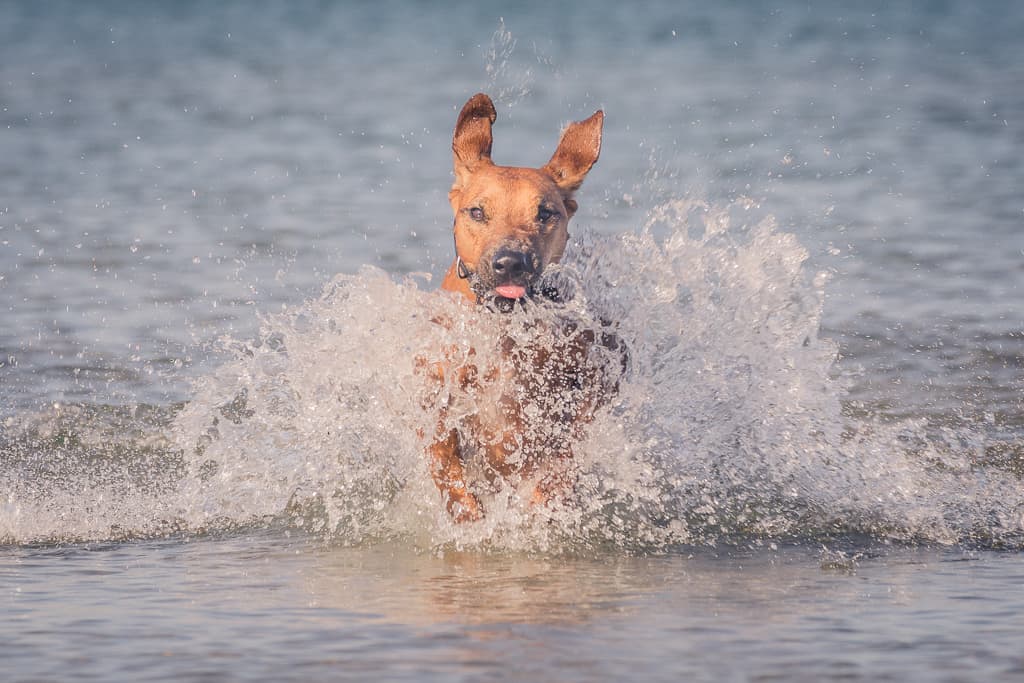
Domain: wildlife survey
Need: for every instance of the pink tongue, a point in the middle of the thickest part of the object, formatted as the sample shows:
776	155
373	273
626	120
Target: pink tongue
511	291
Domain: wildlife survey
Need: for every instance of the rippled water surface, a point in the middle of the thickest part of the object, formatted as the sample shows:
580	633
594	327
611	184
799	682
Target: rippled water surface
221	229
272	608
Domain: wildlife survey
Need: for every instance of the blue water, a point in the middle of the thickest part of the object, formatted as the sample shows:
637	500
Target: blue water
219	228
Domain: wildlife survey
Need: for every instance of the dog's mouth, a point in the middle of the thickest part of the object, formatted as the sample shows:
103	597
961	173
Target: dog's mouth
552	286
507	296
502	295
511	291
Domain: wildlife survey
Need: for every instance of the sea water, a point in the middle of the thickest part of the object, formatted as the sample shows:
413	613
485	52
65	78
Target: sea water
221	233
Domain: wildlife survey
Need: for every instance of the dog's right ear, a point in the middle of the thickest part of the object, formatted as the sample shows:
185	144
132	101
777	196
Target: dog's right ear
471	144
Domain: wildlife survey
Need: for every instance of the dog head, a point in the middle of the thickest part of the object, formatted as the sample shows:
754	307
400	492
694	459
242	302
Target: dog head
511	223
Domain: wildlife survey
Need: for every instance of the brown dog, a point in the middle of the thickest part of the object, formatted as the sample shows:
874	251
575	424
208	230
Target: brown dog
510	225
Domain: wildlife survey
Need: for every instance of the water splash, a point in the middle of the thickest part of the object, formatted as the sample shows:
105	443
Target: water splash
729	423
509	81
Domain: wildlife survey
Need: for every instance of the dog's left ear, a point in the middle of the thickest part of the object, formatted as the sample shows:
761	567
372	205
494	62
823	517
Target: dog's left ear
577	152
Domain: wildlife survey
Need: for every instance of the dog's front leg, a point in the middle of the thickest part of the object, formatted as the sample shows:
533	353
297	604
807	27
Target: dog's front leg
446	466
448	473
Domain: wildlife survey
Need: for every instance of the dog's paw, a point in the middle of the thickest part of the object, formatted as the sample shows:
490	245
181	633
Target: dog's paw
465	508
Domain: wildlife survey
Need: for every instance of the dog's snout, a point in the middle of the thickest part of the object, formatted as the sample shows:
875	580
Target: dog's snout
512	264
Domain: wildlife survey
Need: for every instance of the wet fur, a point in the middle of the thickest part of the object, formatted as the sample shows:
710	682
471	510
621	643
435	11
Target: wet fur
519	216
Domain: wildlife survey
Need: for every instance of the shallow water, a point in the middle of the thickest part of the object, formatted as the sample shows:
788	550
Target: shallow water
220	232
266	607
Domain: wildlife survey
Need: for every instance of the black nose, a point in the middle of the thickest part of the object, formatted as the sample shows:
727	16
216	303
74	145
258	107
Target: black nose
510	264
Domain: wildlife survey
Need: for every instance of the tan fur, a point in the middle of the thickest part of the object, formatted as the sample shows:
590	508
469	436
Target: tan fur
526	210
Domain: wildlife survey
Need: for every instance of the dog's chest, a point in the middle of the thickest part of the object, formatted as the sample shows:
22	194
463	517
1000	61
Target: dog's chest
531	396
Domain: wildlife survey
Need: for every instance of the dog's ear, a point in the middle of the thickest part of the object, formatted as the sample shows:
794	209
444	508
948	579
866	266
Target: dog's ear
471	143
577	152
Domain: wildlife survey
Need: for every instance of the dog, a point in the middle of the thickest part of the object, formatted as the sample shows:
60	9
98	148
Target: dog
510	228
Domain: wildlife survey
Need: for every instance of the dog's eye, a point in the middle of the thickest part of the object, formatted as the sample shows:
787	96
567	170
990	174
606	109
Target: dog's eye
477	214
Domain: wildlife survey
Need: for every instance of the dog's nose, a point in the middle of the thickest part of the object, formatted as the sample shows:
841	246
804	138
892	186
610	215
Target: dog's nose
511	264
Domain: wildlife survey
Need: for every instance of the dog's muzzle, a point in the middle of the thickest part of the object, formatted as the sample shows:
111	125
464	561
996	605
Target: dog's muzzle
512	272
505	276
508	276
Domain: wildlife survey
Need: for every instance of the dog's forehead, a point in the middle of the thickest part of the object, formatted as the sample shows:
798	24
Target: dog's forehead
511	184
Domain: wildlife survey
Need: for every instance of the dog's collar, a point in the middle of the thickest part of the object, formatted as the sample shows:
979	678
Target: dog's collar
464	273
461	269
